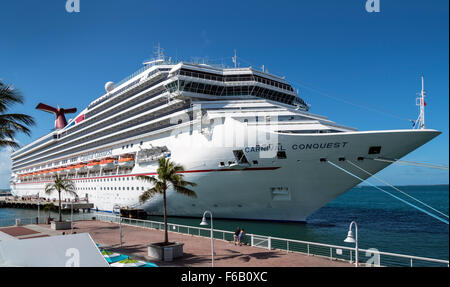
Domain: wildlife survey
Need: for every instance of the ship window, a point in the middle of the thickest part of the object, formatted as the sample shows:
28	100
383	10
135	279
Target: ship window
375	150
255	162
281	155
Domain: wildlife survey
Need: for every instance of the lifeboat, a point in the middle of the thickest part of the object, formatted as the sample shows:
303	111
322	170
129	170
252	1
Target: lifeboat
70	168
93	165
60	170
126	161
107	163
80	167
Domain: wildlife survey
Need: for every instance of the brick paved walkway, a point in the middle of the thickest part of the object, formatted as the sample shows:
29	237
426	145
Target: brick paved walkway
197	250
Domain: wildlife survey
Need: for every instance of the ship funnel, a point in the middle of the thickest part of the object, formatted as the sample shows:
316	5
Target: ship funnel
60	119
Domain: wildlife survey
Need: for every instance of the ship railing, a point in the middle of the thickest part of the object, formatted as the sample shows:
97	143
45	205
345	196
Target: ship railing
366	257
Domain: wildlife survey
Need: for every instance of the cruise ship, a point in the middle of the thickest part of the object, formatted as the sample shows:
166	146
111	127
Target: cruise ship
243	135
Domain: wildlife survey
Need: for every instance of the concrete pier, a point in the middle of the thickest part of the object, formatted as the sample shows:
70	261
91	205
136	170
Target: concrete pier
197	250
17	202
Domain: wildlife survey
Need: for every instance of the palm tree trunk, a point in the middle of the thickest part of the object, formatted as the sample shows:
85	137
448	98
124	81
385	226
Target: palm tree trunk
166	235
59	195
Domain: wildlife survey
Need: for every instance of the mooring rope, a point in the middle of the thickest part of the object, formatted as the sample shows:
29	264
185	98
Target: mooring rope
410	196
413	163
396	197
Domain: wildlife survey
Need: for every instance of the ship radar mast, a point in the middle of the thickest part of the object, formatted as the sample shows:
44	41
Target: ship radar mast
234	59
159	56
420	102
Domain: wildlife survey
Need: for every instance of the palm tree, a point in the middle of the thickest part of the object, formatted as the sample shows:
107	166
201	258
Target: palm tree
60	184
10	124
48	207
169	175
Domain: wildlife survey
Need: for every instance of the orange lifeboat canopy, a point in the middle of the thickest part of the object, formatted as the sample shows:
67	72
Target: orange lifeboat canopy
94	162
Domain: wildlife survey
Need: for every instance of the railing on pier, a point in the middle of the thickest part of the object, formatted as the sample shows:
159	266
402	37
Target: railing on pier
370	257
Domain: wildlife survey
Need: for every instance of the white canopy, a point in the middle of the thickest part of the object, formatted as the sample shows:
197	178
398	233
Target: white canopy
76	250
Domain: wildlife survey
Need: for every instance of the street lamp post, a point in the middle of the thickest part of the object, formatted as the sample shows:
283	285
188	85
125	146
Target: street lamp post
71	217
39	210
71	212
350	239
120	225
212	233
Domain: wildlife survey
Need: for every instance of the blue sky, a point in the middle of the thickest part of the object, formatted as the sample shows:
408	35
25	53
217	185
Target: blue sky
367	66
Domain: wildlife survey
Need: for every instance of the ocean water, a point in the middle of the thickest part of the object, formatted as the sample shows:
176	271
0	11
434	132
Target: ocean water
383	222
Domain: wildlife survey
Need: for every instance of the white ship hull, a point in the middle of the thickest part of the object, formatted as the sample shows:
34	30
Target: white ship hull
287	189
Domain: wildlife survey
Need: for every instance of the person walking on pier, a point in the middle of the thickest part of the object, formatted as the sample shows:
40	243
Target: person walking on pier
241	235
236	235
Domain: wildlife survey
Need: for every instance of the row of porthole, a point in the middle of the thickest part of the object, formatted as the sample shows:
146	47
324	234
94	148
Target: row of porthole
106	179
110	188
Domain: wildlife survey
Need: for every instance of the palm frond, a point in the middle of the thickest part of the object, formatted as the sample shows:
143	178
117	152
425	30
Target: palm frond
178	179
9	143
168	173
49	188
146	178
61	184
14	126
185	191
25	119
146	195
8	97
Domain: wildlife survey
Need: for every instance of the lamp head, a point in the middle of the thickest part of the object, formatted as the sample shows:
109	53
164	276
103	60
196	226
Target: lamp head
350	238
204	221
